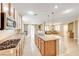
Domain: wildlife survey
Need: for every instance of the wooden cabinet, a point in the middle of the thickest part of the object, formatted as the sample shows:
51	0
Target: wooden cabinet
47	48
2	21
37	42
42	47
71	35
50	48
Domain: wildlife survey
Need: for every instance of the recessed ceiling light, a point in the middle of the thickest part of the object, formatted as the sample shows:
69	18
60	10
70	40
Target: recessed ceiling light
68	11
30	12
56	7
57	23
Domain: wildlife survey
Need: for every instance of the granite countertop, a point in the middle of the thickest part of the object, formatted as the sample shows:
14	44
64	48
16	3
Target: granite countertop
8	44
9	39
9	34
49	37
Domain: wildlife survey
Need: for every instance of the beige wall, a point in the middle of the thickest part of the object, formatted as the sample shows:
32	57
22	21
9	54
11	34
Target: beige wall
78	28
62	30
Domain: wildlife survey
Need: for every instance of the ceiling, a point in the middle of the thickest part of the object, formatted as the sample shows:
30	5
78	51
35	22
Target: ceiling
46	12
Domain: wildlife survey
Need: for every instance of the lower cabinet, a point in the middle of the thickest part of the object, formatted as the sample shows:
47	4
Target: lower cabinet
19	48
37	42
47	48
42	47
50	48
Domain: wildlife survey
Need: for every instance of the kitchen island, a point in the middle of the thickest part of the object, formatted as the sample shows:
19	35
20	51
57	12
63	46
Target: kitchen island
48	45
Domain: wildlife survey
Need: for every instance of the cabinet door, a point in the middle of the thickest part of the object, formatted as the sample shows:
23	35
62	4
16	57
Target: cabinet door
50	48
37	42
42	47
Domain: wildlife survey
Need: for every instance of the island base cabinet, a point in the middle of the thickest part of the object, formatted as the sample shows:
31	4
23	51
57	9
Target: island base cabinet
47	48
50	48
37	42
42	47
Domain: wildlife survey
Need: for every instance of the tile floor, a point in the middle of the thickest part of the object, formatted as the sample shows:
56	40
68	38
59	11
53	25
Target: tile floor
68	47
30	48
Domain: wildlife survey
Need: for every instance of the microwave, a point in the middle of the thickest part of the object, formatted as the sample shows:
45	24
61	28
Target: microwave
11	24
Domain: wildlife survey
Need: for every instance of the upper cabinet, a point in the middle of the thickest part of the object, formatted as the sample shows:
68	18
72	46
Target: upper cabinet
10	13
5	8
9	9
18	19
